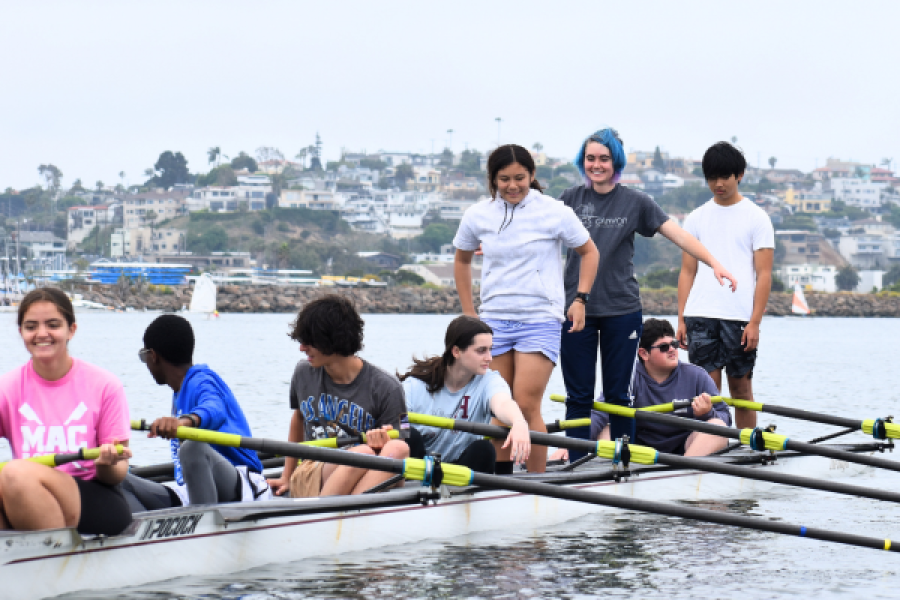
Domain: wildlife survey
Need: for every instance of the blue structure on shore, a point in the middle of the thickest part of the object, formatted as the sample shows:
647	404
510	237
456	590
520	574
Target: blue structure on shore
157	274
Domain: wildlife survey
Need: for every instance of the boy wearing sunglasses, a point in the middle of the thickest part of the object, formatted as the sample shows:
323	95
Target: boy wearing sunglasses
660	378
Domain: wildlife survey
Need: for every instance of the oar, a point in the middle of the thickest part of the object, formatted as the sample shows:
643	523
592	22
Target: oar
55	460
335	442
878	428
755	438
649	456
455	475
667	407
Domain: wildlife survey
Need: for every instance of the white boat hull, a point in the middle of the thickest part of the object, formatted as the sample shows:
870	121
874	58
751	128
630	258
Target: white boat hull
202	542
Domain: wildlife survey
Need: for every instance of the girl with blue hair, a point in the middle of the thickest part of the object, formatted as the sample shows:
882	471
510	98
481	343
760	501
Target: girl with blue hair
612	213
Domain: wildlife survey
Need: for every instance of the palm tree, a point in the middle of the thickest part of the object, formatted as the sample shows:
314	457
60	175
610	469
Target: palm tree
214	153
772	161
302	156
99	186
122	177
537	147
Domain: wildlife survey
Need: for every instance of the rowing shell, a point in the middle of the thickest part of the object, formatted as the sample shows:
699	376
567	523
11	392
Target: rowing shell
226	538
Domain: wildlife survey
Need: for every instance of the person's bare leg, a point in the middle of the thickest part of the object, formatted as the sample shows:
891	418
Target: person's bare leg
505	365
533	371
393	449
704	444
38	497
4	524
341	479
717	379
742	389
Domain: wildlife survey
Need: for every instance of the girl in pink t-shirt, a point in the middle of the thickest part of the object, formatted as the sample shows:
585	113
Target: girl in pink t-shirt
57	404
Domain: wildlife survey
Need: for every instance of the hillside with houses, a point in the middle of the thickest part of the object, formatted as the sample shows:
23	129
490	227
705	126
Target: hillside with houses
392	215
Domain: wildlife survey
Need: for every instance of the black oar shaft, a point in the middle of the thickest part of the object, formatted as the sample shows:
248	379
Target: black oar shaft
796	413
690	424
695	463
677	510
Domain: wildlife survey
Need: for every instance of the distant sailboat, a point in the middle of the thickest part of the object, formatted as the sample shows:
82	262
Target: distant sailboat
204	298
798	302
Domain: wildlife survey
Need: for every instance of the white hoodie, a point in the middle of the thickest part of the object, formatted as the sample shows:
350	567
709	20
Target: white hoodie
522	276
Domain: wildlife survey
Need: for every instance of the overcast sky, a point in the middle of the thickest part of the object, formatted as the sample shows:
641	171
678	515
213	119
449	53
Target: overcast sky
102	87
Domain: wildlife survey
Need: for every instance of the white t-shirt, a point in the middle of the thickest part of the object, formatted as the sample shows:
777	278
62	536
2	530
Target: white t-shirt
522	275
732	234
471	403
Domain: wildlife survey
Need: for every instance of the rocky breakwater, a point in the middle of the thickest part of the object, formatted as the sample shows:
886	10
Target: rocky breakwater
842	304
368	300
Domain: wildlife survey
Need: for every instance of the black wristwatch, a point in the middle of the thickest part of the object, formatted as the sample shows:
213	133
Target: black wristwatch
583	296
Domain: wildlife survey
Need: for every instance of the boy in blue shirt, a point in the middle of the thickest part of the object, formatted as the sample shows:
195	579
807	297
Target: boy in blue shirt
205	473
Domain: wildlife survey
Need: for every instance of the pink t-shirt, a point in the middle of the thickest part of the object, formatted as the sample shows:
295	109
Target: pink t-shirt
85	408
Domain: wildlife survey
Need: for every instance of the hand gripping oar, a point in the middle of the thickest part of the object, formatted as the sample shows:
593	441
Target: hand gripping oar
335	442
434	473
757	439
55	460
649	456
880	429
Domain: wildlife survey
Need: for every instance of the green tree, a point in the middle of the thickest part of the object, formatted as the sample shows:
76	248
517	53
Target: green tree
804	222
376	164
891	277
402	174
244	161
171	168
847	279
772	162
404	277
543	173
658	162
52	176
566	168
76	187
660	278
777	284
470	162
214	154
446	158
435	236
222	175
557	186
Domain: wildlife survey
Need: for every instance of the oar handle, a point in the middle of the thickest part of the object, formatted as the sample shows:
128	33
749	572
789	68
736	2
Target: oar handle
55	460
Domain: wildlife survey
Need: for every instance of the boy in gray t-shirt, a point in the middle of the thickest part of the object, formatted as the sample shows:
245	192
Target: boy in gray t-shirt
334	393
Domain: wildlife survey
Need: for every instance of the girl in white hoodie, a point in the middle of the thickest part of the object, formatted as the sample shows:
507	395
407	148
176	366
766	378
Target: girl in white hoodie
522	233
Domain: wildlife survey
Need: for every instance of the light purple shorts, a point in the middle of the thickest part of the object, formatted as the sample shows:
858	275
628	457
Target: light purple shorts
526	337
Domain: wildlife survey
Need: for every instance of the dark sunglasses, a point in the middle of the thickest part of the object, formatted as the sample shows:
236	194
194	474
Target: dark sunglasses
665	346
143	354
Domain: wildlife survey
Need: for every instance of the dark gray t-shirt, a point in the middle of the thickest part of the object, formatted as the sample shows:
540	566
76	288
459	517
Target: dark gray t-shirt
329	409
612	219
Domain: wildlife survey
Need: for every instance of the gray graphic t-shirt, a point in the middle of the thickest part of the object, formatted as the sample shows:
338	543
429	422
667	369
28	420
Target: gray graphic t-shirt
612	220
373	399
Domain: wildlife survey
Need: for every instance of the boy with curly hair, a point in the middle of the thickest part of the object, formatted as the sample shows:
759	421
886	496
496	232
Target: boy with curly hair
335	393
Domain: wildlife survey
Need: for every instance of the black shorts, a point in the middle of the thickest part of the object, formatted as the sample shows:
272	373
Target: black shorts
716	343
103	508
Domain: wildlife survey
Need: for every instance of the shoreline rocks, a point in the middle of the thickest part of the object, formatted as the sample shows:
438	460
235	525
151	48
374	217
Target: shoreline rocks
415	300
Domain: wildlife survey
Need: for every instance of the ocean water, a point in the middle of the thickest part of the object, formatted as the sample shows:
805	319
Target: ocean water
838	366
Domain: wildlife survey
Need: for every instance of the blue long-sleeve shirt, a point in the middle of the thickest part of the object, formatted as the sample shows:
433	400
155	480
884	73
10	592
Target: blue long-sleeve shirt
204	394
685	382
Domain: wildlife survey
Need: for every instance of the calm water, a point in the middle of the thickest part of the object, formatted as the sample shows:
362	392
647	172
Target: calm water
843	366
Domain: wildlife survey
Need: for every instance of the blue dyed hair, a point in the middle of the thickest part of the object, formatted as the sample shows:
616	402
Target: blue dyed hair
609	137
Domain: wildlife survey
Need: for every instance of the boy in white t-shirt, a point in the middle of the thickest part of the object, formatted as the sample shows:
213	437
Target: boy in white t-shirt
719	328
